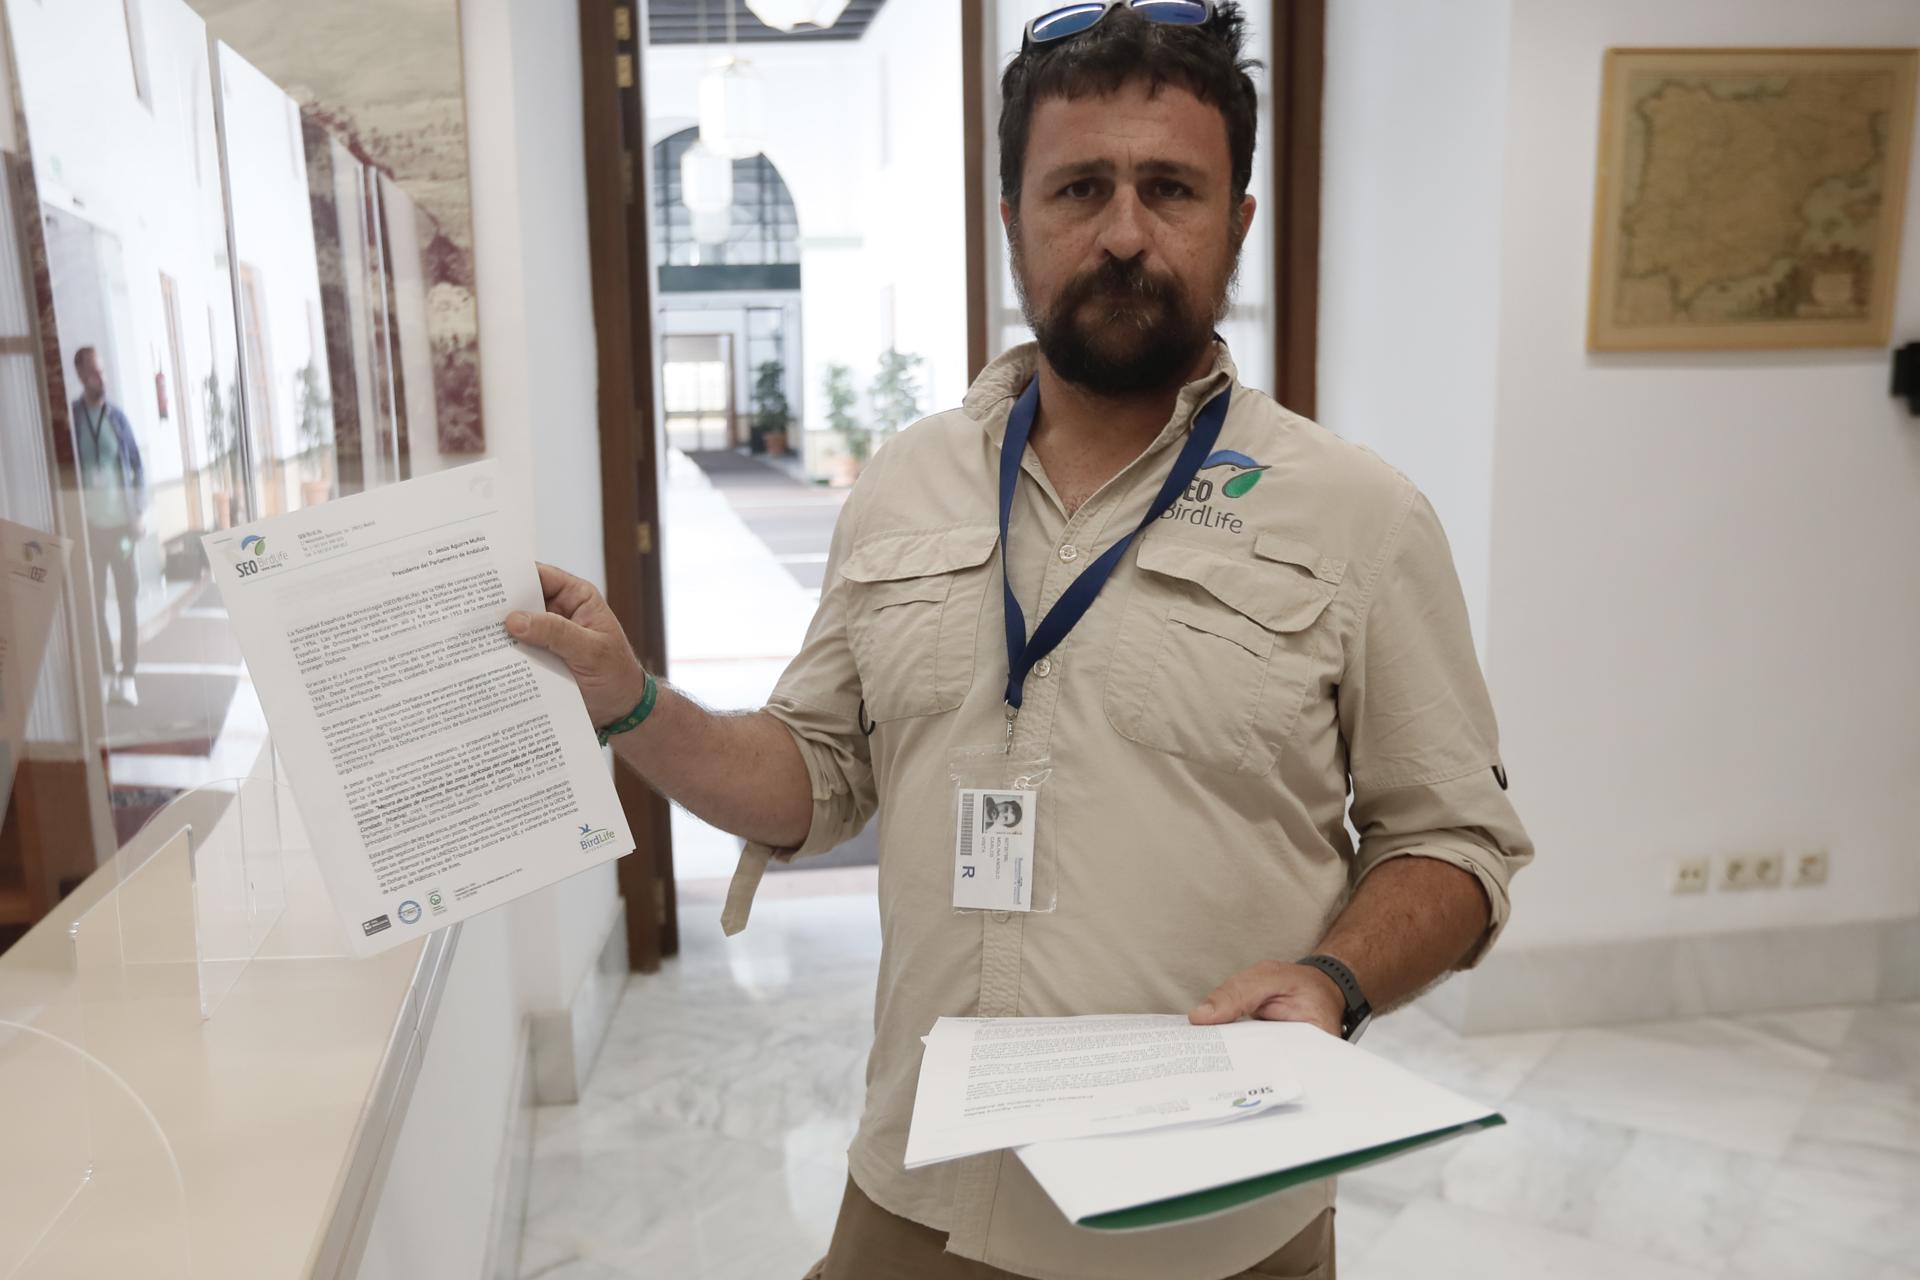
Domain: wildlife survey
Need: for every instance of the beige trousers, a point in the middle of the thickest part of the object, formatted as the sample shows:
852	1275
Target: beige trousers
871	1244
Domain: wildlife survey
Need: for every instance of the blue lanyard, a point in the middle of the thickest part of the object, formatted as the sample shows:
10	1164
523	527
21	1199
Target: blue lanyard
1074	602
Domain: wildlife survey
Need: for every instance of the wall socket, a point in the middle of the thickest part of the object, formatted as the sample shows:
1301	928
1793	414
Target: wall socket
1691	875
1752	871
1809	868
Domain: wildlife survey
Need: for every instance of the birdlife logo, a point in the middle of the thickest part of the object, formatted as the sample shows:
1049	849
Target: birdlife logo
1196	505
1244	475
30	551
592	837
253	558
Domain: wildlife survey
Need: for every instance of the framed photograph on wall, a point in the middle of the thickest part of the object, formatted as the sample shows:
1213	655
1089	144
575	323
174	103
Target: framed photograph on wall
1749	198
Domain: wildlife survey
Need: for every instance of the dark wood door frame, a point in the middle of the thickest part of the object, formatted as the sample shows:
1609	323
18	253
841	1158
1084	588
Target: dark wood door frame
611	48
973	149
1299	70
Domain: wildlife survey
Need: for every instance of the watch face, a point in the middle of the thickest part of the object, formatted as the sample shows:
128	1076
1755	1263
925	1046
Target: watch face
1359	1028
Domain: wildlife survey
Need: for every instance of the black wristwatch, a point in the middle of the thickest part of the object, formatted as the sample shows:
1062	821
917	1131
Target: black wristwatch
1359	1012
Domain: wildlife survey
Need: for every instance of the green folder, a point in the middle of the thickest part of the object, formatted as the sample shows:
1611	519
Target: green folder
1200	1204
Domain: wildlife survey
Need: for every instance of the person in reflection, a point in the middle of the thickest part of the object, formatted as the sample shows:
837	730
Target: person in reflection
114	493
1279	621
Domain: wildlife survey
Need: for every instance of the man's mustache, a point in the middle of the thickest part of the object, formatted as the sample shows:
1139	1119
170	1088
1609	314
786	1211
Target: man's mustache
1114	277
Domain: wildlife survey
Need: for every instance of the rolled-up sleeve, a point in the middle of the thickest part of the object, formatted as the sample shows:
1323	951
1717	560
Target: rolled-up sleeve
818	700
1422	746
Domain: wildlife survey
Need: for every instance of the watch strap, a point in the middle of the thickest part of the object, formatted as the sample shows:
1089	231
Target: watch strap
1358	1008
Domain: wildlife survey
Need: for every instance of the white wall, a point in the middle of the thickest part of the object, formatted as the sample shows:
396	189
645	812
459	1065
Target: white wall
1410	252
1699	606
539	388
1704	603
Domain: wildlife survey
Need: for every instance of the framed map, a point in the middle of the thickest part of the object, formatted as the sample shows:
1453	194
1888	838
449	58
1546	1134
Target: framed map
1749	198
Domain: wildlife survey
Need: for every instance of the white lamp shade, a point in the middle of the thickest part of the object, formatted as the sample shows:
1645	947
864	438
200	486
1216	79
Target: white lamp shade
785	15
712	226
706	180
733	110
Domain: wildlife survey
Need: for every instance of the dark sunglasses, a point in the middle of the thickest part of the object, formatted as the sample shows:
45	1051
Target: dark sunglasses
1072	19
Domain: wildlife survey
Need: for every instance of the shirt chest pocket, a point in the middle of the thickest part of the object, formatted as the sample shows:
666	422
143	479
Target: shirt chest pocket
913	617
1218	649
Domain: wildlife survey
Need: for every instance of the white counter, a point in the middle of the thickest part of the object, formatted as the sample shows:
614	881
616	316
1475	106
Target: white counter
248	1145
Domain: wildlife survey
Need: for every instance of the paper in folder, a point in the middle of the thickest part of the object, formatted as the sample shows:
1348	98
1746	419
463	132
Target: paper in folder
1353	1109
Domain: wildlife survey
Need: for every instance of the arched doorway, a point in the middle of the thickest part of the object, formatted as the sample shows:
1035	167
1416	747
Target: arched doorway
729	306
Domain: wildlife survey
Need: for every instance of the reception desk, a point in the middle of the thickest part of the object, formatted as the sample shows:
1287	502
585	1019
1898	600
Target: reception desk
142	1134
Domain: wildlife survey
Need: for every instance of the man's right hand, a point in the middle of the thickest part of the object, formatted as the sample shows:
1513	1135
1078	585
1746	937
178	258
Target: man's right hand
580	630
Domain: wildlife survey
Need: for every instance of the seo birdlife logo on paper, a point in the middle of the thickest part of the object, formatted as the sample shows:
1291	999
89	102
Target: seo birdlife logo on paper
254	559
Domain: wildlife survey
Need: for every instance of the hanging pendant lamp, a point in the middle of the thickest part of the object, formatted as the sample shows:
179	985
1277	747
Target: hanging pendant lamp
785	15
733	112
706	180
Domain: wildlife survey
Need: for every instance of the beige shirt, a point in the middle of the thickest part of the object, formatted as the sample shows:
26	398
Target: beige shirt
1259	644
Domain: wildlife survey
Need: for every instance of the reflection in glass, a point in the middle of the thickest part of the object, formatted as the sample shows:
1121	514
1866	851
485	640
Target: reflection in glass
286	386
211	311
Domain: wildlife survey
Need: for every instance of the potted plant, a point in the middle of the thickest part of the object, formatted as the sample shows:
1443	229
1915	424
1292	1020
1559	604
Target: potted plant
223	433
840	396
315	409
894	393
770	407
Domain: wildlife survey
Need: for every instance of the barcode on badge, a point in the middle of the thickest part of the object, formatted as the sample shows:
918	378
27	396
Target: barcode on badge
967	801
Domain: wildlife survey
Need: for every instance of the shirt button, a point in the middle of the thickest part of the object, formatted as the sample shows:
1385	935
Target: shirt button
1069	553
1043	668
1001	917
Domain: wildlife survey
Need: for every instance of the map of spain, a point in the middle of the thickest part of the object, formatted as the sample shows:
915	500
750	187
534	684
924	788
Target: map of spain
1740	200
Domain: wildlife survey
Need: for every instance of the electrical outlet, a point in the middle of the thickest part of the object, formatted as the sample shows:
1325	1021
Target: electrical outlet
1810	868
1737	872
1691	875
1768	869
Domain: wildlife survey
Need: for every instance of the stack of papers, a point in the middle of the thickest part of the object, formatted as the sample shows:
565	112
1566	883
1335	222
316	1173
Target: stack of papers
1133	1154
991	1083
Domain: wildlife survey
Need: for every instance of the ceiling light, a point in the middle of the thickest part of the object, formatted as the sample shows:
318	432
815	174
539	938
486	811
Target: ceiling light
785	15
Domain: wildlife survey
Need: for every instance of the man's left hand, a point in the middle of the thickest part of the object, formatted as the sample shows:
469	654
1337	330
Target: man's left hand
1278	993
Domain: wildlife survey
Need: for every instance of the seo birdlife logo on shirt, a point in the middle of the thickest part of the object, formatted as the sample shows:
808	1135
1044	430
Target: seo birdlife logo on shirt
1246	472
1197	506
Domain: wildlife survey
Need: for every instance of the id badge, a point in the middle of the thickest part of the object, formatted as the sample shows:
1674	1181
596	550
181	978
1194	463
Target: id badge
999	807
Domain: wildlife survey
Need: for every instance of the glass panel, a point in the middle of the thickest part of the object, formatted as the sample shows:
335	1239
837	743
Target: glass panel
210	311
288	386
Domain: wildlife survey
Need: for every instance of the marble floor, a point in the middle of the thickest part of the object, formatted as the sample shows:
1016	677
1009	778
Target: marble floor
710	1143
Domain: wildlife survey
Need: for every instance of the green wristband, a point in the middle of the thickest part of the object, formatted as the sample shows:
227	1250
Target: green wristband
633	719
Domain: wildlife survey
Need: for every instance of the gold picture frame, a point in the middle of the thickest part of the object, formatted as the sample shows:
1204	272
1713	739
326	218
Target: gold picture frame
1749	198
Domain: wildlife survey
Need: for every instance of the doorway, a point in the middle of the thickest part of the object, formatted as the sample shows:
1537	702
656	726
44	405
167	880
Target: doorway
696	390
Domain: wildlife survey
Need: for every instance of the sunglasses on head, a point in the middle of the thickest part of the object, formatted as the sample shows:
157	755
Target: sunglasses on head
1072	19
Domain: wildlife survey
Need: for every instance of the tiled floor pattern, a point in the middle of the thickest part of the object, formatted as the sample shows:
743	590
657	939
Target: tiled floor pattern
710	1145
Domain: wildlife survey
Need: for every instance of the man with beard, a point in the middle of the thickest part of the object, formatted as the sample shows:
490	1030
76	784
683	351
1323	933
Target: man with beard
1019	597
